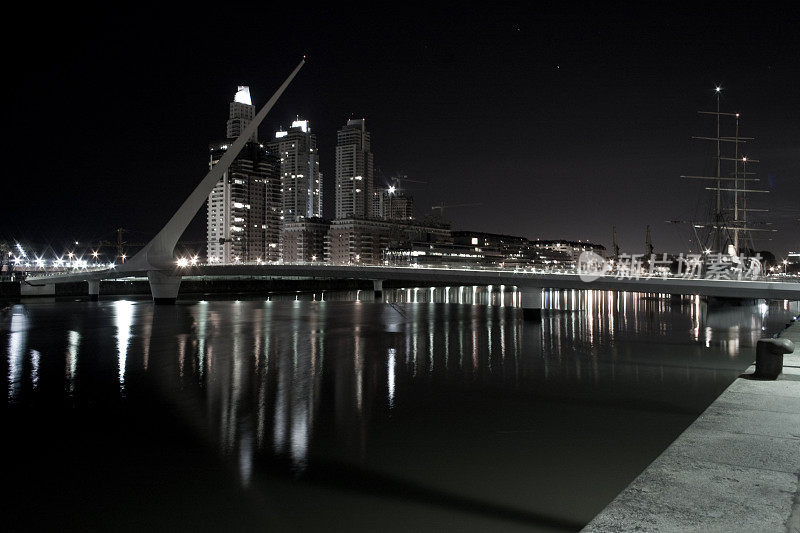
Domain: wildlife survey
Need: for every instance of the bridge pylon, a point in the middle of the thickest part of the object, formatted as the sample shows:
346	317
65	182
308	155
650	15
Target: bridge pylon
157	258
164	286
531	303
94	289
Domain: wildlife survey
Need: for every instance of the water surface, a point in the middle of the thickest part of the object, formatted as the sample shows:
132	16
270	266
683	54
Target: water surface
430	409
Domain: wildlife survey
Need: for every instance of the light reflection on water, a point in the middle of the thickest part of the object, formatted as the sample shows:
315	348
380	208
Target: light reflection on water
123	315
305	379
18	335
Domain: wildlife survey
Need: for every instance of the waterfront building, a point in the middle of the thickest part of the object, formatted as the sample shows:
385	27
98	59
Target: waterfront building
441	255
301	179
244	208
573	249
354	171
304	240
491	250
513	251
365	241
510	248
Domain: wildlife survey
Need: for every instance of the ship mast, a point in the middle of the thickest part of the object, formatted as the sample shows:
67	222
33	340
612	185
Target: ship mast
718	212
736	186
722	228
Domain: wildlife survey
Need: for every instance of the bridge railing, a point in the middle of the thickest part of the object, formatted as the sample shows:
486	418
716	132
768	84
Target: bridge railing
516	270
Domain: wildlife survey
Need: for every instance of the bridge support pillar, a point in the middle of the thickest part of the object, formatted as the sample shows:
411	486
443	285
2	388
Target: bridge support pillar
94	290
377	285
163	286
531	303
37	289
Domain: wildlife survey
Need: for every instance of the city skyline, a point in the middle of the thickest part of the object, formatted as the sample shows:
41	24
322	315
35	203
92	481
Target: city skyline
569	133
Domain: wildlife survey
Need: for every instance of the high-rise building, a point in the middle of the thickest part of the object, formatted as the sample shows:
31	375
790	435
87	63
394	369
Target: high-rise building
241	112
301	179
391	204
304	241
244	208
354	171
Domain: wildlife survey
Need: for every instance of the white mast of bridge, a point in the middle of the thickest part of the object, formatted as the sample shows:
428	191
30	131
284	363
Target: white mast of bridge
157	258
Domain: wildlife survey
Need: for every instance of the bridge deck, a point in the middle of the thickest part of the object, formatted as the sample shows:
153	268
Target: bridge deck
779	290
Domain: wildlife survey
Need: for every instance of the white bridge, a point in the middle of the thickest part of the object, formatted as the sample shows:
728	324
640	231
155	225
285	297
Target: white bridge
156	261
530	284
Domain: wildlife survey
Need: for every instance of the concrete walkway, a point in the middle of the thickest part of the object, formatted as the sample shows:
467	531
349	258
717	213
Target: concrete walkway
736	468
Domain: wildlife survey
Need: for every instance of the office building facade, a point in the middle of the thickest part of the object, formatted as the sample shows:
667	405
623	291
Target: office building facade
354	241
244	208
301	179
304	240
354	171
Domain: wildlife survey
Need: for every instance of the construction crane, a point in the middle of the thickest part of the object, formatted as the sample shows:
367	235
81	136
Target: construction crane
119	244
441	207
396	183
404	177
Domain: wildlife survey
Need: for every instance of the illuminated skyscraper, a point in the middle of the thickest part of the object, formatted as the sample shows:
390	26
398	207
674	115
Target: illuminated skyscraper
301	179
354	171
244	209
242	111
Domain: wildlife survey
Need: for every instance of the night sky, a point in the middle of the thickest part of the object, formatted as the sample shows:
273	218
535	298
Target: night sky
561	121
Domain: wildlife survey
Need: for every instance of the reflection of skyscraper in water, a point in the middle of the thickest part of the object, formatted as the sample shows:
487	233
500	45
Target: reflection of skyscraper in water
123	320
73	343
266	388
224	369
17	344
298	382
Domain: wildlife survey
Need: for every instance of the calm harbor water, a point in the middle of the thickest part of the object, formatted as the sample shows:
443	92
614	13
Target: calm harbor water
430	409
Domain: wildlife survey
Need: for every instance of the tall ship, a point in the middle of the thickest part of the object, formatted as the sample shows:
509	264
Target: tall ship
730	221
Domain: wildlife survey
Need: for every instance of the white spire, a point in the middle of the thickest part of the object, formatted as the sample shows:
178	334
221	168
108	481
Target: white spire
302	124
243	95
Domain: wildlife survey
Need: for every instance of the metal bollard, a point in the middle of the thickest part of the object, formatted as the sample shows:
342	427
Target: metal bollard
769	357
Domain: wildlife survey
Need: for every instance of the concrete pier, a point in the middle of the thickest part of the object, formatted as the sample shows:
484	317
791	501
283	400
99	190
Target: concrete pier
37	289
163	286
94	290
531	303
735	468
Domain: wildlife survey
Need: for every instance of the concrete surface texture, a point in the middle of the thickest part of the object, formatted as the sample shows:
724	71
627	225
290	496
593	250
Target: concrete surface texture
736	468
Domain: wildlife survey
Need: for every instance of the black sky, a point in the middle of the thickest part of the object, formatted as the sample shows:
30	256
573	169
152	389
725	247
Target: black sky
561	119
